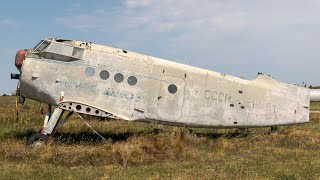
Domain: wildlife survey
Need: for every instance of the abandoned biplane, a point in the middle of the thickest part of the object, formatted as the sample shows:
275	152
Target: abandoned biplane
97	80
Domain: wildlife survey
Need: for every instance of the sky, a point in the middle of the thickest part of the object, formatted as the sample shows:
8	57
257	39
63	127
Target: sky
280	38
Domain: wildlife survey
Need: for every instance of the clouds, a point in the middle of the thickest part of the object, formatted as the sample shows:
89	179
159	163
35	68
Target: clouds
227	18
170	15
214	34
158	16
138	3
8	22
9	51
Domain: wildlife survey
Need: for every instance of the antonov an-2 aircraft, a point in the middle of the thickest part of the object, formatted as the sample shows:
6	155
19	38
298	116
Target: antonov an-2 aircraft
97	80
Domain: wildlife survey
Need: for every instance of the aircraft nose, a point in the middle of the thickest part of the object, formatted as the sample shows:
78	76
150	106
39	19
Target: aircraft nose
20	57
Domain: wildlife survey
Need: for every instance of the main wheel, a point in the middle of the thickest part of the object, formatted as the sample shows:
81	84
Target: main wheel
37	140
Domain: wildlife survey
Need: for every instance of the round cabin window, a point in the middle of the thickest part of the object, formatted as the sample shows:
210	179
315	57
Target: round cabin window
104	75
172	88
89	72
118	77
132	80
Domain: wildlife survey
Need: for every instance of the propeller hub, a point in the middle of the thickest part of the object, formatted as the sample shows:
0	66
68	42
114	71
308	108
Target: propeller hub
20	57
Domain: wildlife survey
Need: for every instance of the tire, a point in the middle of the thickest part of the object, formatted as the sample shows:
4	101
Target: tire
37	139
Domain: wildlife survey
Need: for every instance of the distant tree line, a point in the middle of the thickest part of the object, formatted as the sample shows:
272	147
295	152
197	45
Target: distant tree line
8	95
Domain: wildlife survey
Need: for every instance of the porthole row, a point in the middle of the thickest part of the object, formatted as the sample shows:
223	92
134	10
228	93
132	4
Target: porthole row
104	75
84	109
132	80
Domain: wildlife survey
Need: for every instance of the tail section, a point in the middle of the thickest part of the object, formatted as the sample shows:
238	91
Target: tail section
314	95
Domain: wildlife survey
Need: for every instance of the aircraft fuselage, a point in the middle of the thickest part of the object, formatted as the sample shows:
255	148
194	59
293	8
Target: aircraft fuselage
95	79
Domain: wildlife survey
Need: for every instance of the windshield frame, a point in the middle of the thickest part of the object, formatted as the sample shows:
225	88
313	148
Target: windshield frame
41	46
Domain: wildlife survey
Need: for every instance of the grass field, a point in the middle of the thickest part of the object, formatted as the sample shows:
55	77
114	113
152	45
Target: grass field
137	150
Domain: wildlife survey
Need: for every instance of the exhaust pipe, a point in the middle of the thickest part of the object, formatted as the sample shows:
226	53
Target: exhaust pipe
15	76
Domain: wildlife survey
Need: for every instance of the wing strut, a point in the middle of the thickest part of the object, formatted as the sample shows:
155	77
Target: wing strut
104	139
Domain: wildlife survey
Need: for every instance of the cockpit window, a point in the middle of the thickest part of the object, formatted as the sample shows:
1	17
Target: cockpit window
42	45
38	44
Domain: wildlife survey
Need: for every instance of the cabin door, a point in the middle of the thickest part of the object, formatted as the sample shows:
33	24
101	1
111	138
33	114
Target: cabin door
170	99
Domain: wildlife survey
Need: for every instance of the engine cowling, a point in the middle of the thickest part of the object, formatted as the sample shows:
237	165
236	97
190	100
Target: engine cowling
20	57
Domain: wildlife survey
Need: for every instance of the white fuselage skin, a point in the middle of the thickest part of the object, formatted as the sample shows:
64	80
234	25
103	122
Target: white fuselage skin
164	91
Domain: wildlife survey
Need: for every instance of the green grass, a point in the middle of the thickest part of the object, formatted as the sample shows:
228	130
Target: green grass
137	150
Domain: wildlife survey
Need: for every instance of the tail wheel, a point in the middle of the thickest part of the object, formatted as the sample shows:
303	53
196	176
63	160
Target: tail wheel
37	140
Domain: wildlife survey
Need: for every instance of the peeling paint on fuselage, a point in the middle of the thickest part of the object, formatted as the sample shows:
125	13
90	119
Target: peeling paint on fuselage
202	97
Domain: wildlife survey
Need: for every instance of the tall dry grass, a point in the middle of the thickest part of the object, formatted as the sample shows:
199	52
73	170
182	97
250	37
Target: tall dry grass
135	150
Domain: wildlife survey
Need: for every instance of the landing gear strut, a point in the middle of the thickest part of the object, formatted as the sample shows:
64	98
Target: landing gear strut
50	126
